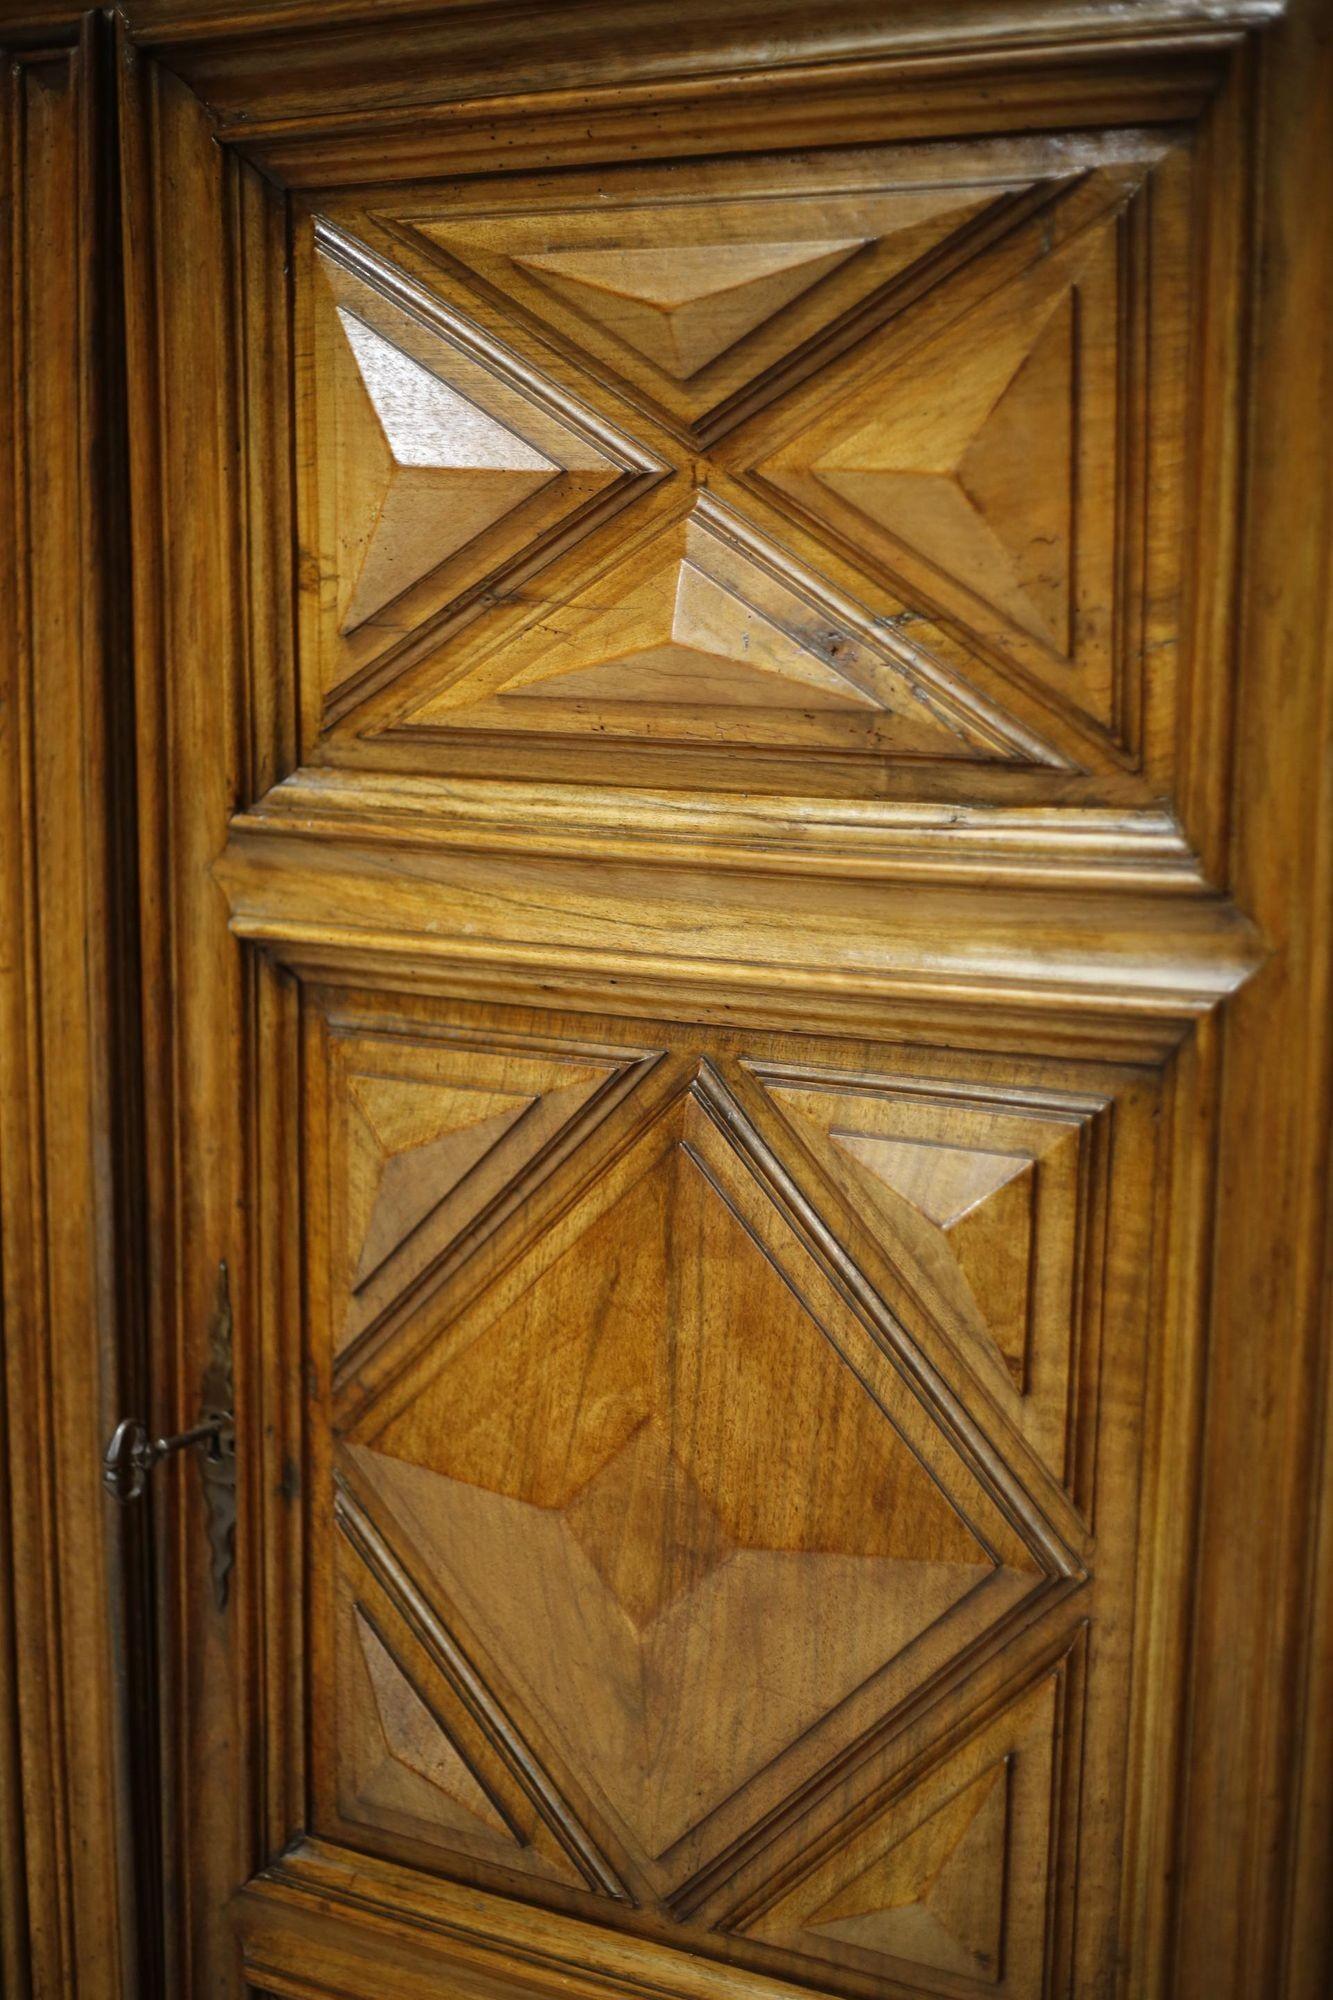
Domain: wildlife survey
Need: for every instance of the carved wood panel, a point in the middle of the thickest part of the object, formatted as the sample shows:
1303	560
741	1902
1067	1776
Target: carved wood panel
690	1505
741	551
866	456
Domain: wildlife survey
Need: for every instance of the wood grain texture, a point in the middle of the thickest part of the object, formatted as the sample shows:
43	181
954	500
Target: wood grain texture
1265	1684
732	871
67	1868
186	532
784	944
562	1475
818	591
472	1469
295	96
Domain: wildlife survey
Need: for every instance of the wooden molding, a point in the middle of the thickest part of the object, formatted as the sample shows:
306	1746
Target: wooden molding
278	78
1187	941
67	1061
859	944
1070	847
1254	1912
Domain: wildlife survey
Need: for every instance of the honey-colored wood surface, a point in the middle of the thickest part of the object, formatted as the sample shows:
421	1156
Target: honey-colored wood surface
728	622
69	1779
737	1475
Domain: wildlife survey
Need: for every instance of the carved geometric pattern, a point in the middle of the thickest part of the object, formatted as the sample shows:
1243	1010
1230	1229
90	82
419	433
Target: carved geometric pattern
417	1740
438	473
416	1755
660	1444
682	307
982	463
951	1877
709	633
936	1895
692	301
983	1203
428	1142
980	1205
450	464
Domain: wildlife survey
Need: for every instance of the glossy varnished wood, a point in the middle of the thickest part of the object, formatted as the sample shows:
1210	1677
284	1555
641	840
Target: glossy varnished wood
67	1042
728	607
551	532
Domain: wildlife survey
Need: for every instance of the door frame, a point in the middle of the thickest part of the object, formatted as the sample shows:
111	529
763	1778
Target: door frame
206	128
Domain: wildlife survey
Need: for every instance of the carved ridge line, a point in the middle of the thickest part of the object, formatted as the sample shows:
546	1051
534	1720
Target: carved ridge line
926	1090
919	1378
317	944
731	1130
971	709
1081	846
402	291
1051	1662
359	1528
624	1078
367	1615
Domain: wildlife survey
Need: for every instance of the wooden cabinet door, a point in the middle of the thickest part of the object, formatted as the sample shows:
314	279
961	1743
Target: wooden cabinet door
687	620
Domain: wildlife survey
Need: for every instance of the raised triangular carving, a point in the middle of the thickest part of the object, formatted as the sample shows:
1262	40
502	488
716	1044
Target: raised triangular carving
444	461
720	653
979	466
1019	474
691	300
947	1876
417	1740
982	1203
944	1182
452	471
980	480
422	1155
976	1198
681	306
935	1897
709	633
423	1139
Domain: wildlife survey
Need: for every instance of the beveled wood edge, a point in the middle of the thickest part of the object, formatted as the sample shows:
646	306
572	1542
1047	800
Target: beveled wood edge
1093	848
1267	1445
873	101
950	22
319	96
320	1914
276	76
676	932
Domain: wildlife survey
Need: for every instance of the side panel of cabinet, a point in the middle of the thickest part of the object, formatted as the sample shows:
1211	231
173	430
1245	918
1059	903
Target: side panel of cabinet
71	1648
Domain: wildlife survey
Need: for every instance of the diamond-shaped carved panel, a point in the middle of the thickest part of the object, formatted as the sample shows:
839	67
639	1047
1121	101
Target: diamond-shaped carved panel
682	1504
706	632
984	1205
